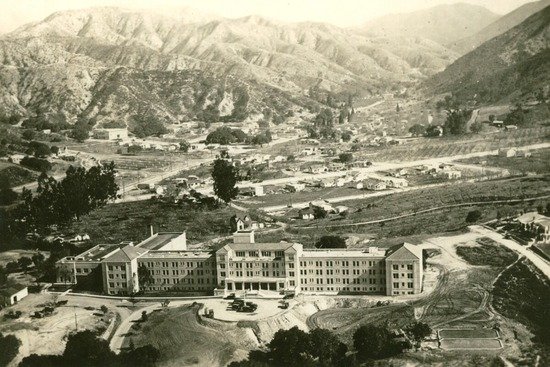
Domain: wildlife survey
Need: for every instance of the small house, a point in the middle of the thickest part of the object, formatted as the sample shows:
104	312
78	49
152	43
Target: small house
451	174
110	134
376	185
306	214
507	152
498	123
510	127
11	294
523	153
295	187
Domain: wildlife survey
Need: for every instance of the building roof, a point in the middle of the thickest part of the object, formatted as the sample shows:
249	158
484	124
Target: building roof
125	254
176	254
97	253
260	246
342	253
10	290
404	251
158	240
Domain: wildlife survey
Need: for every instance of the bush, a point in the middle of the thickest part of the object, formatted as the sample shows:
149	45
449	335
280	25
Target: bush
36	164
28	134
473	216
345	157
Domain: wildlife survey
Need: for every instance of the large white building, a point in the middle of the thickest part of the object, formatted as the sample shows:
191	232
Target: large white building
162	263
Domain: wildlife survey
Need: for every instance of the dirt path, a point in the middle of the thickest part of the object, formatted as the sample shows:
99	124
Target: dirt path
538	261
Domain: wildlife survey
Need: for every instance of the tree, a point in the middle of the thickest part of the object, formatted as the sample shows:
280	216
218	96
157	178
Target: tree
54	149
7	195
419	331
9	347
345	157
85	349
184	146
28	134
326	347
222	135
24	263
3	276
325	117
36	164
40	150
456	121
104	309
145	356
476	127
473	216
144	276
417	130
291	348
346	136
12	266
319	213
80	131
516	116
37	259
225	176
331	242
373	342
397	108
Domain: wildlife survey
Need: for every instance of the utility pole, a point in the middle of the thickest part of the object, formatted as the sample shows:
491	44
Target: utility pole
75	320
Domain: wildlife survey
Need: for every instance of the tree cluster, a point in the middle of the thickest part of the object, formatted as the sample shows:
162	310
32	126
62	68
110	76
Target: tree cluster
60	202
148	125
36	164
296	348
225	135
375	342
331	242
85	349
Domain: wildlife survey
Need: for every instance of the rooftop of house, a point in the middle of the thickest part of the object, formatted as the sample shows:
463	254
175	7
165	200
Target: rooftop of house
10	290
531	217
158	240
97	253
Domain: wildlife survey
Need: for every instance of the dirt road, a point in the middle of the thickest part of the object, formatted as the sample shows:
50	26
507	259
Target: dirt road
538	261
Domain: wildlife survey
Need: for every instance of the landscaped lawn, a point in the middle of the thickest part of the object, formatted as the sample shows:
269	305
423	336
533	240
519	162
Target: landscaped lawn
471	344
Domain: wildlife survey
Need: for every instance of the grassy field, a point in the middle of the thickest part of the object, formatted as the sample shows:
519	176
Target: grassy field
130	222
539	162
450	146
488	252
183	339
16	175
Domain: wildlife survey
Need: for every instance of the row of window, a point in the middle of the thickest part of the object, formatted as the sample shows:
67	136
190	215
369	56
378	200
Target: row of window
403	275
409	285
263	253
183	281
396	267
193	272
338	289
340	280
345	263
179	264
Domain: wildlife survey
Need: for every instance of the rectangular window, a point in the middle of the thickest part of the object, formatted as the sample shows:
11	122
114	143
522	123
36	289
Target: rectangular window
409	267
410	285
396	285
396	267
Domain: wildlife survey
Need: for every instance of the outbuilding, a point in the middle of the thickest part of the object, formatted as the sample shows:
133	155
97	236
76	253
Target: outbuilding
10	295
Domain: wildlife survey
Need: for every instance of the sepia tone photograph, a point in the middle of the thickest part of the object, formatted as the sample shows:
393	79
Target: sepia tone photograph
274	183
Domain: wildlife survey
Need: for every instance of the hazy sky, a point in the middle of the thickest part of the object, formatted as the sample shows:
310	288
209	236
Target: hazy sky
14	13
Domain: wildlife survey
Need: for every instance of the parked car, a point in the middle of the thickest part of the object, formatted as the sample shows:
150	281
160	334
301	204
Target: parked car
248	307
237	303
230	296
289	296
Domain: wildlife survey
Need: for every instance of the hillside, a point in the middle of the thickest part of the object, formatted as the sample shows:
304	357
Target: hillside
499	26
443	24
101	63
512	65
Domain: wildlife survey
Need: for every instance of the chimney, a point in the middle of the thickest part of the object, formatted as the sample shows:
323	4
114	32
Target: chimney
152	231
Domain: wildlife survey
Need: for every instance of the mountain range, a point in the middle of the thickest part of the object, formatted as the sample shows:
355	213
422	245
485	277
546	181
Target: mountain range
108	65
512	65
